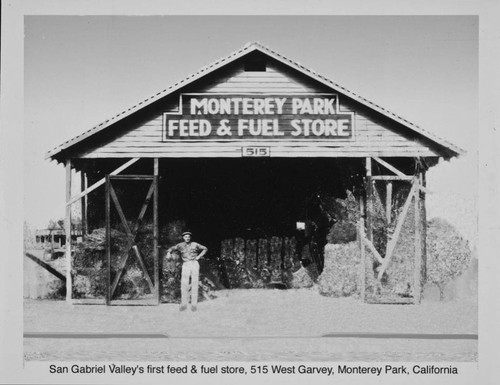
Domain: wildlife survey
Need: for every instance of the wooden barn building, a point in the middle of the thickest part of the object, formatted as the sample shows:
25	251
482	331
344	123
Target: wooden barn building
252	147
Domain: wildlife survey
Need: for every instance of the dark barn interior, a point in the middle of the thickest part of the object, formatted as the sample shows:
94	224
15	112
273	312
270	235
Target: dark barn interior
220	198
244	198
235	203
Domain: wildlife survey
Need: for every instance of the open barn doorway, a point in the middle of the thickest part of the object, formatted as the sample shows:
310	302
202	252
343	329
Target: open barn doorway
266	214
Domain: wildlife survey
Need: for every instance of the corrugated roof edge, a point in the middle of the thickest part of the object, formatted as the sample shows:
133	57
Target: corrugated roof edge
251	46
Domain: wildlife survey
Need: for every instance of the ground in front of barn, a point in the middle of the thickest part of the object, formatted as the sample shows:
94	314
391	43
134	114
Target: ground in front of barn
254	325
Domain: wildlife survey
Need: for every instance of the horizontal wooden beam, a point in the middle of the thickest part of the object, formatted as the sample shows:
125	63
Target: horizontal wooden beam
180	151
132	177
400	175
392	177
101	182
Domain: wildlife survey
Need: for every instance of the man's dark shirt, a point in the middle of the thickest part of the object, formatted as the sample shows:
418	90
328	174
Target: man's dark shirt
191	251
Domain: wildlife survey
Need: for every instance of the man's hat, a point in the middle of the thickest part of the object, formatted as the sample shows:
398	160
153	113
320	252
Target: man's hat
187	233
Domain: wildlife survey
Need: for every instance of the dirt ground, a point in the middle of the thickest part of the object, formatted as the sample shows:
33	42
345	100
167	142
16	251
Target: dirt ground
255	324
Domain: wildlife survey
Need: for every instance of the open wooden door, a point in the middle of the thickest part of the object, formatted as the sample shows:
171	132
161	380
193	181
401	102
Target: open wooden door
132	240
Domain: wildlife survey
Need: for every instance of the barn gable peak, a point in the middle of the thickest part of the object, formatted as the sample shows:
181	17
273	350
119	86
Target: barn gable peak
256	55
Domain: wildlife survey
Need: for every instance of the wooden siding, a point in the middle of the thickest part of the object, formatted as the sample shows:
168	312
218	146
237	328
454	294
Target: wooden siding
273	80
372	137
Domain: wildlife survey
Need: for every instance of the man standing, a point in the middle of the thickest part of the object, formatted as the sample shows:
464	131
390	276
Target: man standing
190	253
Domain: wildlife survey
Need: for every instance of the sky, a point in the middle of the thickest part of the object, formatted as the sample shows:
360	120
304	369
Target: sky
81	70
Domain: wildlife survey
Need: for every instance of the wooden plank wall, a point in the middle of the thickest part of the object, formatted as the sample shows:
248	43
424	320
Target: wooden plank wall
372	137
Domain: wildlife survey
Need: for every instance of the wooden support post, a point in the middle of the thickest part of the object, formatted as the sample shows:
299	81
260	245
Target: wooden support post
52	236
388	202
423	221
108	240
67	227
155	231
361	203
362	272
83	187
418	250
369	199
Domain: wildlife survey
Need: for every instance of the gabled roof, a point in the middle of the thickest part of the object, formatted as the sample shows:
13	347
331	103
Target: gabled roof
248	48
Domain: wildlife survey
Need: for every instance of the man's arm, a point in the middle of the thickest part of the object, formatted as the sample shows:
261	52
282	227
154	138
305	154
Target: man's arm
203	251
172	248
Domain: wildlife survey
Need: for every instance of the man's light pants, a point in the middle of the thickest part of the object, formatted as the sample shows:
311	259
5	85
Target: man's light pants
190	269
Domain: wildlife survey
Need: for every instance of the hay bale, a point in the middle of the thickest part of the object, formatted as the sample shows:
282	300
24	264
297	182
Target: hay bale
239	259
263	269
340	276
290	259
251	253
89	263
275	260
230	266
263	253
302	278
240	269
251	264
343	231
90	272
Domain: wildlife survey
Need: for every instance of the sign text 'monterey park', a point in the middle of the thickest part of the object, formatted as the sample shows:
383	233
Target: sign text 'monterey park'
233	117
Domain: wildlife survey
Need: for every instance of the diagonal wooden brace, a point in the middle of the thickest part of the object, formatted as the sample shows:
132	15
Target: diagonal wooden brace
373	250
391	245
143	266
143	209
390	167
119	274
100	182
120	213
400	174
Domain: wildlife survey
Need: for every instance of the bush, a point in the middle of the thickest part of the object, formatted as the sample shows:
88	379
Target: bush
448	254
